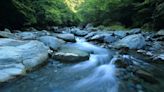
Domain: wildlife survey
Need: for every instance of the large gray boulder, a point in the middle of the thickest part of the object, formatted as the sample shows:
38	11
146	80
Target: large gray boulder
31	35
67	37
18	58
78	32
11	42
27	35
71	55
52	42
136	41
33	53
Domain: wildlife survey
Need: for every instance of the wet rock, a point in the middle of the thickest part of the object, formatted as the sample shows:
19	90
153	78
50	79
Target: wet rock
52	42
155	46
11	42
122	62
89	35
71	55
120	34
10	71
67	37
145	53
33	53
98	37
32	35
109	38
6	34
54	29
136	41
27	35
78	32
135	31
161	38
7	30
90	27
146	76
159	57
16	59
160	33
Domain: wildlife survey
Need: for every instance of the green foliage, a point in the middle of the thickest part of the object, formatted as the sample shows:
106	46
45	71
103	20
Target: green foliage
131	13
147	14
36	13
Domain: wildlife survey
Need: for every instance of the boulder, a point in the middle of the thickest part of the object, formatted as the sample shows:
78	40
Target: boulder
54	29
16	59
135	31
31	35
89	35
10	71
27	35
120	34
136	41
98	37
52	42
159	57
11	42
78	32
71	55
67	37
33	53
7	30
109	38
122	61
6	34
160	32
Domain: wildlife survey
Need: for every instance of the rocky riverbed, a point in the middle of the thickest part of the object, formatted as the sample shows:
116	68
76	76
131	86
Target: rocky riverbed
81	60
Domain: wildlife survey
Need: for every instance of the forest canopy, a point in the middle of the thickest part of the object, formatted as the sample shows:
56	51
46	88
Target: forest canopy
147	14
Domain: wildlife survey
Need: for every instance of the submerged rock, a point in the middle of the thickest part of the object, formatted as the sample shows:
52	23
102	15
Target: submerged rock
122	61
146	76
71	55
136	41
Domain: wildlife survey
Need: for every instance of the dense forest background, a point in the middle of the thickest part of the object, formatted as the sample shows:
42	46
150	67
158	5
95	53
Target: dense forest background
147	14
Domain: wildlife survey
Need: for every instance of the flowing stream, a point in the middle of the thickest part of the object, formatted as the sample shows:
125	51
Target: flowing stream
95	75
